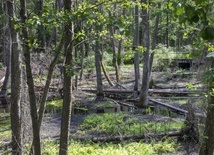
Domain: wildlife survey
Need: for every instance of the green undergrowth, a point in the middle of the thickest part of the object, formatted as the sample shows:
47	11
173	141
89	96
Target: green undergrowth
121	123
54	105
5	130
125	148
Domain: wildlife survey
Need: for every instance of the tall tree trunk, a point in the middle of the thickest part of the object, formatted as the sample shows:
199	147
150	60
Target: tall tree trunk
115	54
167	26
67	84
98	56
30	82
136	54
207	147
26	122
40	29
15	85
153	44
3	93
82	60
48	81
143	98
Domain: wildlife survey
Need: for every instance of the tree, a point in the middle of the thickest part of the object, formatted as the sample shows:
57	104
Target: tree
135	49
30	82
143	98
207	146
67	84
115	53
15	83
3	92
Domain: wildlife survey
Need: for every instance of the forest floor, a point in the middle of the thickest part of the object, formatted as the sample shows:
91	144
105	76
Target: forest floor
178	79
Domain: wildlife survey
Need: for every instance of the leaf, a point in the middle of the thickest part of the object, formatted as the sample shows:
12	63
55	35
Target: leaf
209	55
179	11
198	2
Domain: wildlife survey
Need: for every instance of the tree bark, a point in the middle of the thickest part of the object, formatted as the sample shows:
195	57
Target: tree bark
30	82
106	74
143	98
100	94
136	54
153	44
115	57
207	147
4	88
40	29
48	81
67	84
15	85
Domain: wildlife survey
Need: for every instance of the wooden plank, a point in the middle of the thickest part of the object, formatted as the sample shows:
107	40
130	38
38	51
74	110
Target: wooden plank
155	91
170	107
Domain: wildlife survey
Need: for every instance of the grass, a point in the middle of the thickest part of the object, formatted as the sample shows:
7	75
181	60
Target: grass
120	123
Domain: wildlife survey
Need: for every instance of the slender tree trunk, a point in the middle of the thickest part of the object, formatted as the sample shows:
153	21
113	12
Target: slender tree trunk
82	61
15	85
26	122
100	94
143	98
136	54
48	81
30	82
3	93
115	56
106	74
167	26
153	44
40	29
67	84
207	147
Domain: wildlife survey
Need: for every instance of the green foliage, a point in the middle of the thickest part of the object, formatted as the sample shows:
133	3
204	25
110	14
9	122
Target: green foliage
207	33
54	105
209	75
121	123
191	86
5	130
127	148
50	148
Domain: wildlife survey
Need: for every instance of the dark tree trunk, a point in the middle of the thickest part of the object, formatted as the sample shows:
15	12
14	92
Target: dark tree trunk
143	98
30	82
136	55
40	29
115	53
153	44
100	94
67	84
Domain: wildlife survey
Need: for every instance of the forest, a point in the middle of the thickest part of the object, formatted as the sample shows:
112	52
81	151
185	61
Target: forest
110	77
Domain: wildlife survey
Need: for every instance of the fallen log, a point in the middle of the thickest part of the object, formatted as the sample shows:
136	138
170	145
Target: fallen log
169	107
127	137
155	91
